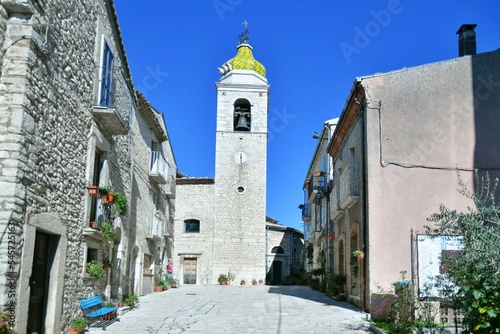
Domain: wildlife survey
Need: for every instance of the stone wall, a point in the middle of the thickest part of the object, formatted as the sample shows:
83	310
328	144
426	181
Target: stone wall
49	135
195	201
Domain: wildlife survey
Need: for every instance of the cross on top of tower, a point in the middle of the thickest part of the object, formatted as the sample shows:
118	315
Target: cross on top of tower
244	35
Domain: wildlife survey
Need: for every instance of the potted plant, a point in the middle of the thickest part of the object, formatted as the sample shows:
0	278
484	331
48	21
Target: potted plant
354	265
111	197
108	232
340	281
242	282
5	326
254	281
359	254
130	300
230	278
93	224
94	269
108	264
78	325
103	192
170	283
159	279
222	279
268	279
159	286
121	204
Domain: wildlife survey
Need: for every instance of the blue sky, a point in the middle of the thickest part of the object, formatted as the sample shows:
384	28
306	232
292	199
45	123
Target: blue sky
312	52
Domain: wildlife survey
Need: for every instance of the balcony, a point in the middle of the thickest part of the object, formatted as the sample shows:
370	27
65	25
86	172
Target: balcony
349	194
306	212
170	187
110	120
316	187
336	211
159	169
156	228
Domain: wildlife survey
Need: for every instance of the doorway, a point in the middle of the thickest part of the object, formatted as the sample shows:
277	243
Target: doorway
190	270
276	268
39	281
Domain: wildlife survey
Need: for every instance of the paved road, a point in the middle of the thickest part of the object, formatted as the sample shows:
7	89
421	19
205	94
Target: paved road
239	309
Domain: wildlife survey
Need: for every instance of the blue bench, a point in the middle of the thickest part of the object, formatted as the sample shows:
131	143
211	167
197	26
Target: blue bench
97	314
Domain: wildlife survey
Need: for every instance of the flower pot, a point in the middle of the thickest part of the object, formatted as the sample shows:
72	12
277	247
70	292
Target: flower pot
340	297
105	265
104	199
223	283
158	288
361	256
76	331
93	191
93	224
111	197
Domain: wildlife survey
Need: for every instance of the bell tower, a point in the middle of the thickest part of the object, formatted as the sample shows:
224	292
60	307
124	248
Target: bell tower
239	244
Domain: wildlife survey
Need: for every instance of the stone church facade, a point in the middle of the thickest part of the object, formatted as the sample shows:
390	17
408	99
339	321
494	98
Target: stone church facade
70	118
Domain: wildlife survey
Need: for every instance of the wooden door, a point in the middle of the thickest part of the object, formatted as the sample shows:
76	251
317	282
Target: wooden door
38	284
190	271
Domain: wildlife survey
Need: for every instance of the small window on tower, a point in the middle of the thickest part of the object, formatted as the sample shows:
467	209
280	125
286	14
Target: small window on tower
192	226
242	115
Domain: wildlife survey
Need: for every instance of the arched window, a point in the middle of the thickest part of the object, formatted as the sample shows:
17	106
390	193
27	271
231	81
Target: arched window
242	115
278	250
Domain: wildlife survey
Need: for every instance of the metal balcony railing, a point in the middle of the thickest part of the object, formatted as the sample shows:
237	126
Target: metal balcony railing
170	187
306	212
336	210
349	186
157	225
159	169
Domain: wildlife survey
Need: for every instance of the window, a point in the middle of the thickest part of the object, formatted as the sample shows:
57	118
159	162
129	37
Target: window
153	228
92	255
242	115
278	250
105	76
192	226
96	173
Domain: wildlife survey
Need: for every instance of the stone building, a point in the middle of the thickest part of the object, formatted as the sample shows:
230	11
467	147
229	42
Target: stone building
69	119
401	139
220	224
284	252
318	229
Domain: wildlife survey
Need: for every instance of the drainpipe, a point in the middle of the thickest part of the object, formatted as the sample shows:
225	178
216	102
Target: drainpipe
365	205
265	257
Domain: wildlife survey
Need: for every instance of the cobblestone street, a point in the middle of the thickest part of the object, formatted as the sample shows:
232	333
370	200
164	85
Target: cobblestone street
240	309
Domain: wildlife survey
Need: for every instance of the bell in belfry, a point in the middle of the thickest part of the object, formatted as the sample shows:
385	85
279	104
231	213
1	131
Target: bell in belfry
242	124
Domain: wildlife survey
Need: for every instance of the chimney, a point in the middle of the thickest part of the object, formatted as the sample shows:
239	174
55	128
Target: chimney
466	40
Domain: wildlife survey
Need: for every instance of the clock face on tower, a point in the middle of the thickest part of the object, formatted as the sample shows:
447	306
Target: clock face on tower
240	158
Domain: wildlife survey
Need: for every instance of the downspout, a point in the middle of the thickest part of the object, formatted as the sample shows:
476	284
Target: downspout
267	246
365	205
